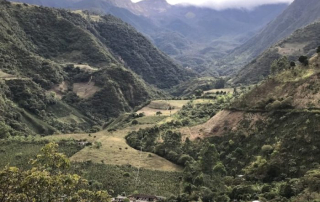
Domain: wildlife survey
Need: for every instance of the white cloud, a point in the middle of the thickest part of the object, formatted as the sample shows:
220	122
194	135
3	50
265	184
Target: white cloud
225	4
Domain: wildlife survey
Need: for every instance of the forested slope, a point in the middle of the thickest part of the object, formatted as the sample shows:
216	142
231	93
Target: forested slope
62	71
300	13
302	42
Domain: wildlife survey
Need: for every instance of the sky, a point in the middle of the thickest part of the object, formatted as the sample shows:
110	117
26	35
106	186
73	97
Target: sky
225	4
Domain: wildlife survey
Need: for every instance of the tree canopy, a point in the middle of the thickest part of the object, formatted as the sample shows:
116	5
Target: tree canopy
47	181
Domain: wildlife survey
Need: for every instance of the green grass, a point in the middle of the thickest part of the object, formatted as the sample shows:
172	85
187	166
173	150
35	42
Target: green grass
150	119
18	153
113	177
124	179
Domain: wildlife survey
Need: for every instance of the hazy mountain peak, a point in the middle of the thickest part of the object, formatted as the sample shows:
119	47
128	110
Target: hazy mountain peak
220	5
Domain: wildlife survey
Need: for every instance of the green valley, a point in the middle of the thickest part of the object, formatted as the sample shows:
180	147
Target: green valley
92	111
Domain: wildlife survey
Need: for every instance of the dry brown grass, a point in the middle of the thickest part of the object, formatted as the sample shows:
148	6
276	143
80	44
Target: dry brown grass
60	89
116	151
216	125
292	49
162	106
5	76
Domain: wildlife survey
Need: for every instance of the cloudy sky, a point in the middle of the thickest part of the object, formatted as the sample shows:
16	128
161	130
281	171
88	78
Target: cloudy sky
224	4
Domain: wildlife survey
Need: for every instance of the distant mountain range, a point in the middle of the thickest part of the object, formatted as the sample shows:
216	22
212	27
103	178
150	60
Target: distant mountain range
299	14
194	36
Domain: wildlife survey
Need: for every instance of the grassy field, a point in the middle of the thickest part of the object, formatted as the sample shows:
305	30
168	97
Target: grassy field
116	151
18	153
118	179
163	106
114	178
150	119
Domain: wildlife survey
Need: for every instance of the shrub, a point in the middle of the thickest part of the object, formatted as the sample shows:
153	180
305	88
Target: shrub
304	60
267	149
126	174
184	159
134	122
97	145
220	169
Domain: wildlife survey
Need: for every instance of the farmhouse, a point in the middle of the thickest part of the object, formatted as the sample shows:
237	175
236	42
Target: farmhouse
145	198
119	199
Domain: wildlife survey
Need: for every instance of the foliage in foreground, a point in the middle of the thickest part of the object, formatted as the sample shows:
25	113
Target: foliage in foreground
47	180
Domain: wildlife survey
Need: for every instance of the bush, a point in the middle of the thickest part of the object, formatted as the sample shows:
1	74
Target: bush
134	122
266	149
220	169
304	60
184	159
223	198
126	174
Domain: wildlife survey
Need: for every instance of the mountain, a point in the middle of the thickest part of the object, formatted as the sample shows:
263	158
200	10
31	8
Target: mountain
64	71
261	142
299	14
195	37
304	41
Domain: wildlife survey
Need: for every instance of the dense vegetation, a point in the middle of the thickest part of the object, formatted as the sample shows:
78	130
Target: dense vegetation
47	180
64	71
116	179
266	148
302	42
296	16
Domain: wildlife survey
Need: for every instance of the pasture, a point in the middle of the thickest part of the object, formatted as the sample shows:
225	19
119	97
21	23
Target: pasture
115	151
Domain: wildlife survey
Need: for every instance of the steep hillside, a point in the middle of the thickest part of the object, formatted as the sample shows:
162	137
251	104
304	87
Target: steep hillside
302	42
63	72
261	145
193	36
299	14
280	112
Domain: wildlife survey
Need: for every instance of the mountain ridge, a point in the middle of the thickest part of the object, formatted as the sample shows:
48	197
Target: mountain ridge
62	74
300	13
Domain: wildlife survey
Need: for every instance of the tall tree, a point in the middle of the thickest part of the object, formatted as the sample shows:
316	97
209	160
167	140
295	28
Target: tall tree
209	157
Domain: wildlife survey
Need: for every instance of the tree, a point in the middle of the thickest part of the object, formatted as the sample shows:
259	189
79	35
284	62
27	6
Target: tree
159	113
318	50
209	158
172	140
47	181
304	60
220	83
134	122
198	92
4	130
219	169
292	64
267	150
280	65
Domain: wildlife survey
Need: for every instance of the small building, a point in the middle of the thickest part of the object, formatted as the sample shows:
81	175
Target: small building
83	143
142	198
119	199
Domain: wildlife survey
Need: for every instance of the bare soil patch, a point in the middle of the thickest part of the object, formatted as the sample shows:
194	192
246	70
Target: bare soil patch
85	90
